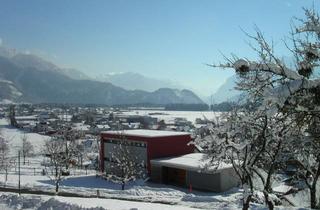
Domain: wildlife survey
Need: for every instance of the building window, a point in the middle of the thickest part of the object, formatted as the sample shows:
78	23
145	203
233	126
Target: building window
127	142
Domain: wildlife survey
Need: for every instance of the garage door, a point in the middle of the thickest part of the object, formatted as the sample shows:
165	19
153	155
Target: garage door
174	176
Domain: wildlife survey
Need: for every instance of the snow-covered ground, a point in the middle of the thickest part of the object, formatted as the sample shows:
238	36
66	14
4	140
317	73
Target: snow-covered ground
10	201
138	195
149	195
14	137
169	116
138	191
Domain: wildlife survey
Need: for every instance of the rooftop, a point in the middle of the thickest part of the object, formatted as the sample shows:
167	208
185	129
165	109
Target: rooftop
146	133
192	162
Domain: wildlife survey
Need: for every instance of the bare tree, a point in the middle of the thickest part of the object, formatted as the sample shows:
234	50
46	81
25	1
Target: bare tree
125	165
68	138
27	148
55	149
12	116
4	156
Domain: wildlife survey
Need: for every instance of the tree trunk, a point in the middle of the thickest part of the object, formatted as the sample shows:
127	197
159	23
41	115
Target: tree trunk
246	202
268	202
6	174
122	185
24	159
57	188
313	198
313	189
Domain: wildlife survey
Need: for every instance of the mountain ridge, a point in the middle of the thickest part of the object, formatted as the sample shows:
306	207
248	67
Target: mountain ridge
135	81
40	81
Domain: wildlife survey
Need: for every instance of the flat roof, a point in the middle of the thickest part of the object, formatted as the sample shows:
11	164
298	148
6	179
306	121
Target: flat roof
146	133
192	162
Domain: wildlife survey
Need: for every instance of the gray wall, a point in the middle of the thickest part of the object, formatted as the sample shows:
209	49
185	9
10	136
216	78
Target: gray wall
221	181
204	181
229	179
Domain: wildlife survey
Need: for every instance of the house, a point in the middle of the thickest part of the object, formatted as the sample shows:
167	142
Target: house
192	171
144	144
144	121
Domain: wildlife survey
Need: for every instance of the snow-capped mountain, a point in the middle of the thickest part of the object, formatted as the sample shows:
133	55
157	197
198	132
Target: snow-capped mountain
29	78
135	81
226	92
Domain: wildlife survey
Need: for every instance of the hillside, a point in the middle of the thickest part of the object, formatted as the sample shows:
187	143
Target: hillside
28	78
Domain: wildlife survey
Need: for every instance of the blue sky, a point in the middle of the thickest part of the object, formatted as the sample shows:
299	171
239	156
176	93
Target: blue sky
166	39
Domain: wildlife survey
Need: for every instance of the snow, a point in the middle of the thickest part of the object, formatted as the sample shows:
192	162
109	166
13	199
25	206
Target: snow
103	126
31	117
14	137
81	127
282	189
119	205
169	116
139	194
194	161
6	101
65	117
147	133
151	194
13	201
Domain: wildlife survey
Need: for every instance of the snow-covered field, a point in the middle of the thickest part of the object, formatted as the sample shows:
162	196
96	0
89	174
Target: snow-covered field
14	138
138	191
168	116
10	201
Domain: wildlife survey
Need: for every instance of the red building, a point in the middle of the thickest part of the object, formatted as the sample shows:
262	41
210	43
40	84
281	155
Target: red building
146	144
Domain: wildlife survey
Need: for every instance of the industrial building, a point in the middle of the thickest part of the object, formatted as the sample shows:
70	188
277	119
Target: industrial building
145	144
169	158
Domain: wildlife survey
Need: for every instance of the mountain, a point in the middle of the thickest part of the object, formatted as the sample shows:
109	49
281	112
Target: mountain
8	91
173	96
28	78
35	62
226	92
135	81
8	53
75	74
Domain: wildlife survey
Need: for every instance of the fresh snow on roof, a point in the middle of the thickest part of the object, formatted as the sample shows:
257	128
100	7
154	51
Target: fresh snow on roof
193	161
33	117
81	127
147	133
103	126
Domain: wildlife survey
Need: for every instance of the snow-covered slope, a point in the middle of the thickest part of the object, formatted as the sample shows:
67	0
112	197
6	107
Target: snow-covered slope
14	138
135	81
226	92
